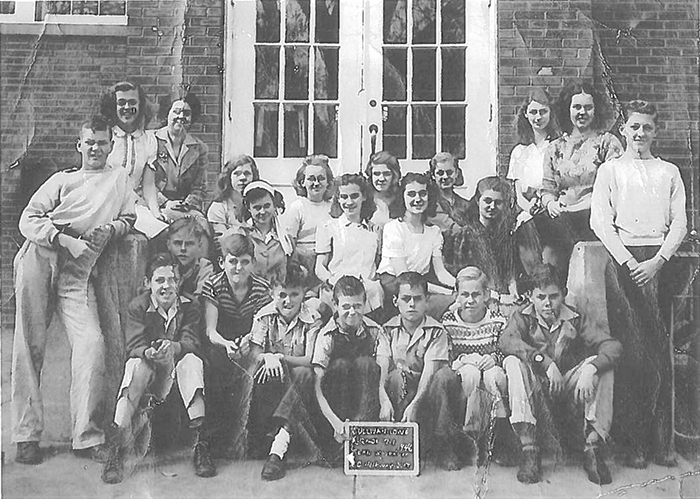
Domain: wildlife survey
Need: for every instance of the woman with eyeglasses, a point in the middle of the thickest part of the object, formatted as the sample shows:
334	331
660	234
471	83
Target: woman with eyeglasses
313	184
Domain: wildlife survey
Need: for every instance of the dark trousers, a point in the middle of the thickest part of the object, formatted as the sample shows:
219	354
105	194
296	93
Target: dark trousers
351	388
442	410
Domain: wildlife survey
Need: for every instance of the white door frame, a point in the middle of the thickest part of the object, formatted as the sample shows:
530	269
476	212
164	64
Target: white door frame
360	82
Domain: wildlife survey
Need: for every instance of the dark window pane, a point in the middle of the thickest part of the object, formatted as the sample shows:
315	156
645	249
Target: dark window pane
267	68
423	132
112	7
296	77
297	20
453	130
295	130
327	21
423	21
453	75
86	7
424	82
325	130
266	118
394	130
326	73
267	21
7	7
395	21
453	21
394	78
51	7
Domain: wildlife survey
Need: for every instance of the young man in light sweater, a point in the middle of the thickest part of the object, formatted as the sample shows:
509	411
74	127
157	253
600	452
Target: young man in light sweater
638	212
67	224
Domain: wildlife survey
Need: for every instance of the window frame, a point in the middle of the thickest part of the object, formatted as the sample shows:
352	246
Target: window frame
25	11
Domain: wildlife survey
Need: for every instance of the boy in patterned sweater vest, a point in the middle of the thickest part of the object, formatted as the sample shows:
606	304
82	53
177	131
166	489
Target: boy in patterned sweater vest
474	331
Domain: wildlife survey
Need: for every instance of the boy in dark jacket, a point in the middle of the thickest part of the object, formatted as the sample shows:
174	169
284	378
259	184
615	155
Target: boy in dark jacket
550	351
163	333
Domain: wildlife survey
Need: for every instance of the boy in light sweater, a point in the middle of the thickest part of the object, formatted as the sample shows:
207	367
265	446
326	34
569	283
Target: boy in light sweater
67	223
638	212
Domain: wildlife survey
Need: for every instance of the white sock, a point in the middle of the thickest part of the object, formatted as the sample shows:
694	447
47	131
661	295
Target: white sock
122	412
280	444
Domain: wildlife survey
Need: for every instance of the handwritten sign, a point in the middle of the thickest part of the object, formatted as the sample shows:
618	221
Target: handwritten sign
381	448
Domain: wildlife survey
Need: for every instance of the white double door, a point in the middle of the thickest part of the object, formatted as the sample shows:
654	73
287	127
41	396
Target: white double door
344	78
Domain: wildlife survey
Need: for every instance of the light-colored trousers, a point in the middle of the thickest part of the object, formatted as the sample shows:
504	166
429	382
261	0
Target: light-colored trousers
41	289
479	404
597	410
141	376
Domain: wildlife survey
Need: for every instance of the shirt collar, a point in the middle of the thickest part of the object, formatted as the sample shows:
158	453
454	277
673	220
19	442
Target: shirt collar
332	326
347	223
118	132
306	314
428	322
162	134
153	305
567	314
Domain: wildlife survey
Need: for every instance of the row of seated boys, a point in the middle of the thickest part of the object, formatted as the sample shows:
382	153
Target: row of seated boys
463	378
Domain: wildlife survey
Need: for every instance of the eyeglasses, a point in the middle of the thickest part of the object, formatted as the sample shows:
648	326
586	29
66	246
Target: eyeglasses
316	178
541	112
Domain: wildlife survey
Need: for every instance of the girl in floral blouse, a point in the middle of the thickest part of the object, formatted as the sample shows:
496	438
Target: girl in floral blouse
570	166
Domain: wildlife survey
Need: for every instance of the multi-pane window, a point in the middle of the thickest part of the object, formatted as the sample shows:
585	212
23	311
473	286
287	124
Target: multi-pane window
424	97
297	46
64	11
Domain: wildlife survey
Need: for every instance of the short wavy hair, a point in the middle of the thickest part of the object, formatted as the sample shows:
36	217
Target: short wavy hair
446	157
348	286
368	205
108	102
316	160
576	87
525	134
190	98
641	107
424	179
223	184
388	159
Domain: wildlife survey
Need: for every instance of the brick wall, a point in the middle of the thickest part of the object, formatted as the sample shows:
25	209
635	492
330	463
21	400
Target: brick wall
630	49
51	82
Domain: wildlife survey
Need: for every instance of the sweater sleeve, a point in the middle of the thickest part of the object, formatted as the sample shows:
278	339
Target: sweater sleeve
34	223
127	212
550	186
603	214
292	219
678	227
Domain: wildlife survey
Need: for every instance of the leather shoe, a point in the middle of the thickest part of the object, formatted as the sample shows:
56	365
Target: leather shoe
28	453
274	468
529	471
595	466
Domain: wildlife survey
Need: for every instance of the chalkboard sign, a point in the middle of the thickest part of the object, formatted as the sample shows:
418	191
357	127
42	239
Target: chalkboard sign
381	448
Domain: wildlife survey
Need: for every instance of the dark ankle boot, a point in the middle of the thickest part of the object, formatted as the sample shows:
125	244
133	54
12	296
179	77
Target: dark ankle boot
594	464
113	471
529	471
203	465
446	458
